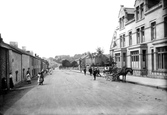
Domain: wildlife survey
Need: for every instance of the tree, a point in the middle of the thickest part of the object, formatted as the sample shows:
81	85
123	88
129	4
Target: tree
66	63
99	51
74	64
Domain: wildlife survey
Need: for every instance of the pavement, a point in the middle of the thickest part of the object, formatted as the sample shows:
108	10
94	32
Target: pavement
151	82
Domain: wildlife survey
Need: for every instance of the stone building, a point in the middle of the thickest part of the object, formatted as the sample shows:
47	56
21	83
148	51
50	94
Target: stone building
140	40
18	62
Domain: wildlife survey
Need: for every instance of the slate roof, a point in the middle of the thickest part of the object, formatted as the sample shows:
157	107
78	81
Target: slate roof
130	10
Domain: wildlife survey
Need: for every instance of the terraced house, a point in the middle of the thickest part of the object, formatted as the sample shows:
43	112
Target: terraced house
140	40
18	62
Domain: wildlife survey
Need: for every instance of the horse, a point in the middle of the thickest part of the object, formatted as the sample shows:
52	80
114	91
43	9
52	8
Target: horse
124	72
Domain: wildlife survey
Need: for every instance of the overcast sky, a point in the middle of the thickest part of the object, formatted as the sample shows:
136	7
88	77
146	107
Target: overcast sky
60	27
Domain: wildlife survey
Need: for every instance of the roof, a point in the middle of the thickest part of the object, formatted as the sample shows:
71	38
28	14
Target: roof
130	10
18	50
124	10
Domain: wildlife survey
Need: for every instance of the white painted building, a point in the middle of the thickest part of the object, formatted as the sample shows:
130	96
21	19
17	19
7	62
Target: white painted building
140	41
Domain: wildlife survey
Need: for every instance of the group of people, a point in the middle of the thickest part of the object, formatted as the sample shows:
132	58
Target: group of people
4	82
95	71
40	77
28	79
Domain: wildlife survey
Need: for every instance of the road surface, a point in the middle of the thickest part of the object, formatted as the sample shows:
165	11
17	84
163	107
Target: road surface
67	92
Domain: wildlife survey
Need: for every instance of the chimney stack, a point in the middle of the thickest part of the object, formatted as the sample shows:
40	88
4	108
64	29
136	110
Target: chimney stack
1	39
14	44
24	48
122	6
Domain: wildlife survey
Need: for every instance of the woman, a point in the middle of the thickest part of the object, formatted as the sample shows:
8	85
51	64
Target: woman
11	80
28	77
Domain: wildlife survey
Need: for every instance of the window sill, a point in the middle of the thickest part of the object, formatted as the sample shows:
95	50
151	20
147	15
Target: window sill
140	20
153	9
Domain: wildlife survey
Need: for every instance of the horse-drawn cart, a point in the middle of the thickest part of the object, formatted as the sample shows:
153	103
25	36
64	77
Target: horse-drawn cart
113	73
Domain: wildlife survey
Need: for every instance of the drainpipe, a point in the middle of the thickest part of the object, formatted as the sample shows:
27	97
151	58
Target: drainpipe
21	68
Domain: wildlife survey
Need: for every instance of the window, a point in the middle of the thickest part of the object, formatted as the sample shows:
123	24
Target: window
152	3
130	38
124	40
16	75
162	57
165	3
120	41
138	35
142	11
135	59
137	13
142	35
153	30
118	59
165	26
152	55
121	22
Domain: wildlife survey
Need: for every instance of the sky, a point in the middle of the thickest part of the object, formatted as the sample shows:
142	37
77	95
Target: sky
60	27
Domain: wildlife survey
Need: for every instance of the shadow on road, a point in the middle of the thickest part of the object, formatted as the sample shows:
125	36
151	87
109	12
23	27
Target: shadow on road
14	95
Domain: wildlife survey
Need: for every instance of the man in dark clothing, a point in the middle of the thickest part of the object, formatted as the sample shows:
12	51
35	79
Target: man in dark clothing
85	70
94	73
4	83
90	71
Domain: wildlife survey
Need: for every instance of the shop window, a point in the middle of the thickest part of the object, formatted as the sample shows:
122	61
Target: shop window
162	57
135	59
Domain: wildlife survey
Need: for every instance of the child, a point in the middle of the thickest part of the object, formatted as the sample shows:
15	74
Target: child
39	79
28	78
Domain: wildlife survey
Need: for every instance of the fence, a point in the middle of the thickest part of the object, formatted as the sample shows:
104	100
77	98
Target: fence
149	65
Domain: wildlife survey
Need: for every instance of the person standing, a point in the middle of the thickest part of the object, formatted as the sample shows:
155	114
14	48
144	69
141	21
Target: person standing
94	73
90	71
42	77
85	70
28	77
11	80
